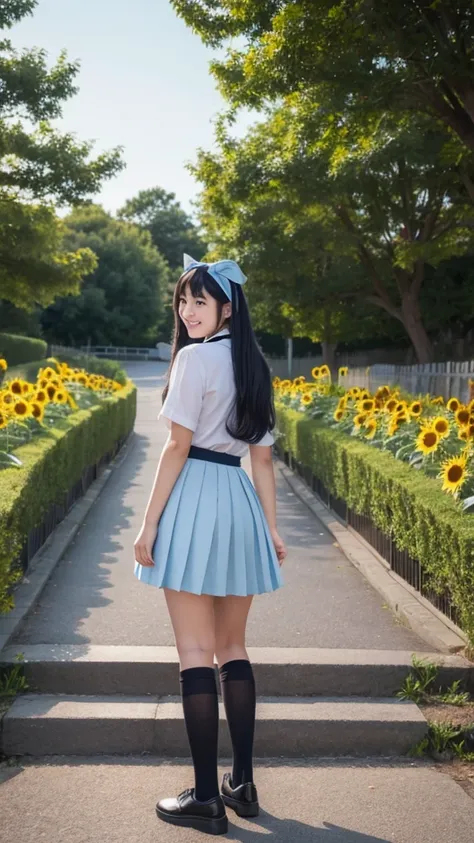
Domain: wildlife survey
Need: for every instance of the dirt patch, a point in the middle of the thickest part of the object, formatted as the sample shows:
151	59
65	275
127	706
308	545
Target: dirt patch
461	771
459	715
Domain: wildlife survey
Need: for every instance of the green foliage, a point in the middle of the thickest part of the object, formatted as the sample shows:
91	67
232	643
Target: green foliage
403	503
171	229
40	169
417	683
121	301
373	56
51	466
16	349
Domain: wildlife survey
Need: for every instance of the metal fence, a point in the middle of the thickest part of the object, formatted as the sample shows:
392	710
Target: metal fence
113	352
446	379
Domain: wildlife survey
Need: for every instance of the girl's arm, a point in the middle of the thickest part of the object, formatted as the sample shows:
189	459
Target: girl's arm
264	481
172	459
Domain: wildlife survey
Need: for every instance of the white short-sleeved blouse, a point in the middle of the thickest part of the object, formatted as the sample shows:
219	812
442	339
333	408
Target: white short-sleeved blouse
201	395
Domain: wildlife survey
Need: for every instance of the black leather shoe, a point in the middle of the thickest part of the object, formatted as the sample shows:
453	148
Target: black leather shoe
243	799
185	810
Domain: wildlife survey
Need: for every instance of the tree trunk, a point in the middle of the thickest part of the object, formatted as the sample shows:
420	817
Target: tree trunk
329	356
413	323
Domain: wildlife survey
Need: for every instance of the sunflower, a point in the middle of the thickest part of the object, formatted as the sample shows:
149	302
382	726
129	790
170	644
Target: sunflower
48	373
454	474
371	426
339	414
383	391
296	382
427	440
51	392
7	399
37	410
403	416
360	419
441	425
22	408
354	392
41	396
343	371
364	395
16	386
3	364
315	373
401	407
438	400
60	397
276	381
453	404
367	405
283	385
464	434
306	398
462	416
393	426
390	405
415	409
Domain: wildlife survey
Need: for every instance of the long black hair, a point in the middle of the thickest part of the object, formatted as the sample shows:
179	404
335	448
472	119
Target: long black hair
253	413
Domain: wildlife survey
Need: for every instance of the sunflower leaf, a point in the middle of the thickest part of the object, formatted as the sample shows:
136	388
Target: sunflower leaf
468	504
8	459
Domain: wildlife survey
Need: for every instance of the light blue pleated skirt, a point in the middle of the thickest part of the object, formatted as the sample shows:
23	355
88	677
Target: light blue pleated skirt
213	537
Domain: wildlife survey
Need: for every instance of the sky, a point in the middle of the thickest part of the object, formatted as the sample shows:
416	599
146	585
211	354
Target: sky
144	84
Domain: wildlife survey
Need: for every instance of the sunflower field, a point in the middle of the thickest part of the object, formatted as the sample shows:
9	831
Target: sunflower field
432	436
28	409
55	434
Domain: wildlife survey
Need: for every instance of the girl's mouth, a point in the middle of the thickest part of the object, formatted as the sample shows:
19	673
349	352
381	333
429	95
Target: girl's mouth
192	324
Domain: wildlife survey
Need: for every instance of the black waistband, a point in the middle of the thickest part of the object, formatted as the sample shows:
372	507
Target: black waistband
196	453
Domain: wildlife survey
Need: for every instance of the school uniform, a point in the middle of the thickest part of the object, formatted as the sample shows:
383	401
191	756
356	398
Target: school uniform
213	537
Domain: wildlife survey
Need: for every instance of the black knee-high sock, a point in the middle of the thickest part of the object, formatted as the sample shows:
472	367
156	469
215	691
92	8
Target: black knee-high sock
238	694
201	715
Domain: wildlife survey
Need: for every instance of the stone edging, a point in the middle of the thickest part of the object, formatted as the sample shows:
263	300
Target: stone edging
48	556
407	604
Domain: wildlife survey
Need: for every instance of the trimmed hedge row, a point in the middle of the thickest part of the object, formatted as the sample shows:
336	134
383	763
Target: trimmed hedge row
51	466
18	349
405	504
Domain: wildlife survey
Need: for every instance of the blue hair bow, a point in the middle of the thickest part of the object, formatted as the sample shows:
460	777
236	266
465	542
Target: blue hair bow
222	271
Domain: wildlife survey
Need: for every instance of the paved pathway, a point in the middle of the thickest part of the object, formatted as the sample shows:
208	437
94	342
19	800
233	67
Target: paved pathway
93	596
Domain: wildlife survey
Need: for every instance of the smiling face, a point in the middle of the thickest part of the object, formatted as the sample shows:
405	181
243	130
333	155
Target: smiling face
202	314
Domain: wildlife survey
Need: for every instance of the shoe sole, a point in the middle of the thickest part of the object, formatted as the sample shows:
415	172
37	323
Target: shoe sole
250	809
209	826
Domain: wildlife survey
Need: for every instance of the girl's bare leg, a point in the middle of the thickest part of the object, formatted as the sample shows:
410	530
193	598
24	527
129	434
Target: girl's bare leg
192	618
231	614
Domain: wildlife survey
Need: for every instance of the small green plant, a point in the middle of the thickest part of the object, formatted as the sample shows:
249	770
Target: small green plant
416	684
453	696
442	735
12	679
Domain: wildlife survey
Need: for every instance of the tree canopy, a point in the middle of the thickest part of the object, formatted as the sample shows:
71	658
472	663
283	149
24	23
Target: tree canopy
121	301
40	168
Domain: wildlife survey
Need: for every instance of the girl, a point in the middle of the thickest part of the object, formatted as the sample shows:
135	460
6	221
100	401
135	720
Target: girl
209	538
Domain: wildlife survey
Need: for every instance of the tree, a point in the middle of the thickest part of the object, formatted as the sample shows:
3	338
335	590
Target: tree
120	303
40	168
379	201
171	229
413	55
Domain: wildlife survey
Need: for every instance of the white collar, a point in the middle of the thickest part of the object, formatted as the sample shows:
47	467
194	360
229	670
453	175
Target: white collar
223	332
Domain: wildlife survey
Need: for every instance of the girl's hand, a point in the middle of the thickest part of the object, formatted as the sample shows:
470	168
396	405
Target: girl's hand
143	545
279	546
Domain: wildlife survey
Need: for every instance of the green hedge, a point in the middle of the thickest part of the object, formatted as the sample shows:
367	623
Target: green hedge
405	504
16	349
51	466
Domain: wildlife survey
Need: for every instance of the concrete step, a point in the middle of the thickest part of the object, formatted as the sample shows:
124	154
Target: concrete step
96	669
43	724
